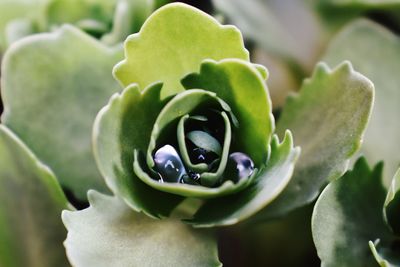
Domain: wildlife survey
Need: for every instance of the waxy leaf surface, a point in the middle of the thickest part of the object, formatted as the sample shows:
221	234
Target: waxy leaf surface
31	231
347	215
53	85
328	118
267	185
109	233
172	43
375	52
122	126
240	85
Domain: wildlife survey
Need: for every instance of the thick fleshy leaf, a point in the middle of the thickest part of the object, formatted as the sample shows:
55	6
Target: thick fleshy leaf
328	119
183	149
205	141
182	104
185	103
109	233
376	53
265	187
122	126
51	104
239	84
188	190
172	43
347	215
31	231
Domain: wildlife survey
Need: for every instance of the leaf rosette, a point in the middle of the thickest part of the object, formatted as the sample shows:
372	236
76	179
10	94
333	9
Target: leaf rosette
194	121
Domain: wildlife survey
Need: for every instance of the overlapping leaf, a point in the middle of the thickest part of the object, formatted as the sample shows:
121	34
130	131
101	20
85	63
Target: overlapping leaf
348	215
244	90
51	104
176	48
18	9
327	118
375	52
31	231
266	186
109	233
124	125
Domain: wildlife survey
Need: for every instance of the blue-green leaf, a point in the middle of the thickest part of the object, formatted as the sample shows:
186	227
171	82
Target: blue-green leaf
109	233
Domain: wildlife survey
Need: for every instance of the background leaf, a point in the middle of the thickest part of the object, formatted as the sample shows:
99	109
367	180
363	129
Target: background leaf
363	3
268	23
375	52
109	233
76	12
288	37
16	9
328	118
347	215
129	16
31	231
51	106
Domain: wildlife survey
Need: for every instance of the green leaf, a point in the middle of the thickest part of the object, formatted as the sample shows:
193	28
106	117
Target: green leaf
31	232
387	250
182	104
185	103
76	12
391	207
288	37
385	256
15	9
116	136
376	53
242	87
347	215
172	43
184	153
53	85
265	187
109	233
129	16
206	141
270	26
328	118
363	4
17	29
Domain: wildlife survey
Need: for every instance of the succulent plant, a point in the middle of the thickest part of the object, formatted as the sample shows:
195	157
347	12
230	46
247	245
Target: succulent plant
191	136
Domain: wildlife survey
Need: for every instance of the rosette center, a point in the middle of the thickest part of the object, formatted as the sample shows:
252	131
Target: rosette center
199	153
